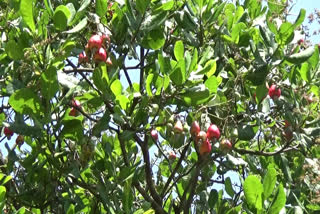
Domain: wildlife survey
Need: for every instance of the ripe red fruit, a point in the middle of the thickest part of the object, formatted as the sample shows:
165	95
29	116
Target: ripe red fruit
225	145
20	140
83	58
154	134
195	128
73	112
95	41
100	55
205	147
172	156
301	41
178	127
76	103
213	132
7	132
274	92
201	137
109	62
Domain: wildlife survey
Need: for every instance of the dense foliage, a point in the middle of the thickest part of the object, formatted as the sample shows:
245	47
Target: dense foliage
111	133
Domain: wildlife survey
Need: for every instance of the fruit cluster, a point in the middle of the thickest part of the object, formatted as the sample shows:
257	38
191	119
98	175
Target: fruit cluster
9	133
96	50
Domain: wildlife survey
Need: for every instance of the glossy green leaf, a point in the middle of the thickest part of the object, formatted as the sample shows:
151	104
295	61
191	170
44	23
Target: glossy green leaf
2	193
261	92
13	50
60	17
196	95
300	57
123	101
178	76
26	11
142	5
154	21
253	190
213	198
100	77
81	25
314	59
279	202
70	209
49	83
269	181
245	132
300	18
154	40
116	87
25	101
305	72
212	84
179	50
228	187
101	7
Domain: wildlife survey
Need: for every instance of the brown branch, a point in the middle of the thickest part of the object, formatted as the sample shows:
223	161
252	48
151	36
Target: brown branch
148	170
184	151
79	70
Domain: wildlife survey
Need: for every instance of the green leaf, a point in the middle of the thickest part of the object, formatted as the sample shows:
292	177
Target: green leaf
123	101
228	187
13	50
305	72
82	24
142	5
49	83
314	132
70	209
100	77
154	21
148	84
253	192
184	20
179	50
73	128
101	7
154	40
213	198
164	5
116	87
196	95
26	11
301	57
2	193
127	196
285	34
269	181
261	92
178	76
245	132
194	60
279	202
164	62
212	84
300	18
60	17
314	59
25	101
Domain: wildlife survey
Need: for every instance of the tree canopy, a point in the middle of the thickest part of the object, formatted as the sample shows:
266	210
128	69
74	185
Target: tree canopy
146	106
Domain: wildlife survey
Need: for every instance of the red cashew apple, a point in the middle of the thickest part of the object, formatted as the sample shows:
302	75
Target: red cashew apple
20	140
205	147
201	137
195	128
83	58
73	112
213	132
154	134
172	156
274	92
225	145
178	127
100	55
7	132
76	103
95	41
